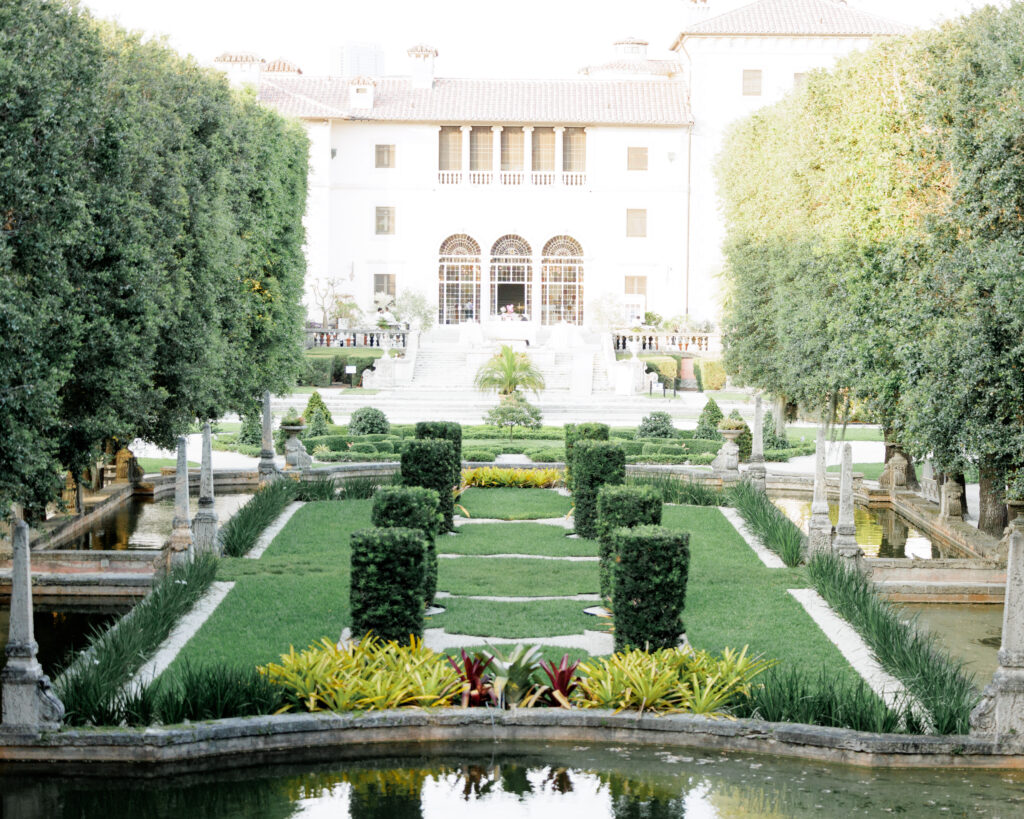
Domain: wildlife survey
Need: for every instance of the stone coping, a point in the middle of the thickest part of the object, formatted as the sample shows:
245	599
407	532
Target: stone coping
236	742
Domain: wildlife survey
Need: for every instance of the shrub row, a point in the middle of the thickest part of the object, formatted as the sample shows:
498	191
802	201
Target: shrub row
323	369
681	490
594	463
432	464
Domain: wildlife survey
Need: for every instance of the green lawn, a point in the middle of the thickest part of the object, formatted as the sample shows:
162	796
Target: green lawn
851	433
514	504
148	465
547	618
518	539
516	577
871	471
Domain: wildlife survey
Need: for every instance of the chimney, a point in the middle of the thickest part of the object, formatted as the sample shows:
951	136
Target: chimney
360	93
422	57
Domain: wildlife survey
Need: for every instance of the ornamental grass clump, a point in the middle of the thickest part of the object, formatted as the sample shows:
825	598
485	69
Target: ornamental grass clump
433	464
910	654
415	508
369	675
621	507
649	586
387	582
681	490
595	463
769	523
241	532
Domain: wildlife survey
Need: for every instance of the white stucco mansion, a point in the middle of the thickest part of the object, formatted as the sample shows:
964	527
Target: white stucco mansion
555	199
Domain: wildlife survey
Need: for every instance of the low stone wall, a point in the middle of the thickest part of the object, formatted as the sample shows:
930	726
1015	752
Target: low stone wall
911	580
237	742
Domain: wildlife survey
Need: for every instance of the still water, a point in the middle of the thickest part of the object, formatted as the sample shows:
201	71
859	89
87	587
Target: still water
511	781
880	532
144	523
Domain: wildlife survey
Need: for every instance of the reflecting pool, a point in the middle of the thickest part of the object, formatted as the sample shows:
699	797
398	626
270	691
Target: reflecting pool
557	780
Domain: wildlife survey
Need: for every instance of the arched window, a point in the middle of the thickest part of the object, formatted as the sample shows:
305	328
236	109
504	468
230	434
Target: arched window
458	274
511	277
561	281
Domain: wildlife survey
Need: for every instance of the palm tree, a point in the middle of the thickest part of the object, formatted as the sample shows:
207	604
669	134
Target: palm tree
507	371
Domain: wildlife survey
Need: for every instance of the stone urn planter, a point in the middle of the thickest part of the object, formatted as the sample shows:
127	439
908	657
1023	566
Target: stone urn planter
633	346
731	435
1015	510
295	455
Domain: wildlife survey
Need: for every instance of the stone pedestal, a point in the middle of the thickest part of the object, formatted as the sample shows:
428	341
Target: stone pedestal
268	470
757	473
846	529
204	525
30	706
951	503
295	456
1001	710
180	545
726	465
819	527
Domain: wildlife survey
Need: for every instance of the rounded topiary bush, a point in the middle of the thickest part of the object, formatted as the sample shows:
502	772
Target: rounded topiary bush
656	425
368	421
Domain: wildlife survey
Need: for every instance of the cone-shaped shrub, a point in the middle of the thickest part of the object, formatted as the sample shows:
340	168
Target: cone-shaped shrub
431	463
595	463
650	586
707	423
622	507
387	583
412	507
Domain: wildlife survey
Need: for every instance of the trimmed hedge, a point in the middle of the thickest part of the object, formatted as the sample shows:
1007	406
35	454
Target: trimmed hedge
703	445
664	449
581	432
364	447
595	463
412	507
444	431
335	443
366	420
325	366
479	454
547	455
650	586
430	463
387	583
622	507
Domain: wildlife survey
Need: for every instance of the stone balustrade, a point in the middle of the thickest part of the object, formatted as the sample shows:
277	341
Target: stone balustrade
359	337
654	342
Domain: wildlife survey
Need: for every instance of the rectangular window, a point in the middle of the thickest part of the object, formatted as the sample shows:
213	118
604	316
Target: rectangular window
636	285
752	82
481	149
449	154
574	150
636	222
385	221
384	283
384	156
543	149
636	159
512	149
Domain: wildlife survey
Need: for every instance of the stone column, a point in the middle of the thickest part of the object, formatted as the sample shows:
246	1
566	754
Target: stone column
846	530
756	472
496	153
1001	710
204	525
180	545
819	528
268	471
464	161
30	706
559	152
528	155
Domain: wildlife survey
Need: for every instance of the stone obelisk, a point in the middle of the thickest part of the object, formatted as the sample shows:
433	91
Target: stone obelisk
30	706
180	545
846	529
757	472
819	528
1001	710
204	525
268	470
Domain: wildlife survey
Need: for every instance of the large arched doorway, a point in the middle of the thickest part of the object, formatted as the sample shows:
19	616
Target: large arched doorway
511	277
458	274
561	281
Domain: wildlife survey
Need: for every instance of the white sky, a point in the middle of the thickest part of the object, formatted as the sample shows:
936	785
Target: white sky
527	38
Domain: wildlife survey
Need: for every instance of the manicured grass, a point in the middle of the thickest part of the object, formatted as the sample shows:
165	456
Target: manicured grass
487	618
512	577
148	465
733	600
518	539
728	395
851	433
514	504
350	353
871	471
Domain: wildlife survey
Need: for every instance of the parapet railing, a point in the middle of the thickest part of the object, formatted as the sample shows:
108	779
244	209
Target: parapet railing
661	342
391	337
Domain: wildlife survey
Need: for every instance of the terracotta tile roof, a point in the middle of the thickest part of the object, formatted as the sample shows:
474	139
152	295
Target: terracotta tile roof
465	101
281	65
821	18
239	57
640	66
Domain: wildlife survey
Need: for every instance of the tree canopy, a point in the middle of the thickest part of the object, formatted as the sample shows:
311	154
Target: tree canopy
875	240
151	264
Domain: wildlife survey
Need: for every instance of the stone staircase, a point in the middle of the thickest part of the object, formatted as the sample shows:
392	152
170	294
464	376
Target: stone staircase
602	384
442	367
557	370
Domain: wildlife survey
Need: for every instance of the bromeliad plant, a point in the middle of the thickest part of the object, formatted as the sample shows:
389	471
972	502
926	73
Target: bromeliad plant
476	688
492	476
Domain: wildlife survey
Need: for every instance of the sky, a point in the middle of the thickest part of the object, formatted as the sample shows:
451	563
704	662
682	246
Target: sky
525	38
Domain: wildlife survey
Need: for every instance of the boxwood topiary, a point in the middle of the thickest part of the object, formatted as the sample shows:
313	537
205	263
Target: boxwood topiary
430	463
581	432
650	586
707	423
618	507
412	507
447	431
386	589
656	425
595	463
366	420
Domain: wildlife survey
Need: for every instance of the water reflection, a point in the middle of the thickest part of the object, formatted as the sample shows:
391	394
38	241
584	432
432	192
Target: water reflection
536	781
880	532
143	523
